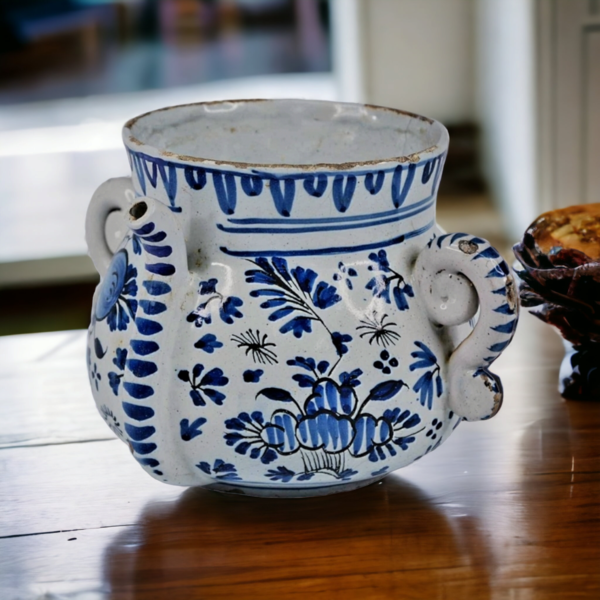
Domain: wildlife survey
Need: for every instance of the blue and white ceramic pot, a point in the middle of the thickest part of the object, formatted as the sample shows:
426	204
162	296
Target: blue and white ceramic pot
284	317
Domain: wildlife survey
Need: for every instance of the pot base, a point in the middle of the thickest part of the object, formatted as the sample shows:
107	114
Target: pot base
289	492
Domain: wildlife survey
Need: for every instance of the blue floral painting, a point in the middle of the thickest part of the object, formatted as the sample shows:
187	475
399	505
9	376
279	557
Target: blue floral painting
228	306
203	386
325	423
427	361
116	295
292	295
387	282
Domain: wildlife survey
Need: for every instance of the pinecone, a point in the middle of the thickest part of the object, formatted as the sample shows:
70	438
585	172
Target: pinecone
558	277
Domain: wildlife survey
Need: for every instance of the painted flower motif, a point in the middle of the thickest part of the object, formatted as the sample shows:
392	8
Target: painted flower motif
386	363
251	376
188	431
386	281
378	330
116	297
316	371
209	343
228	311
208	287
426	359
345	273
220	470
339	341
324	425
203	385
228	305
114	379
95	376
245	435
257	346
283	474
292	294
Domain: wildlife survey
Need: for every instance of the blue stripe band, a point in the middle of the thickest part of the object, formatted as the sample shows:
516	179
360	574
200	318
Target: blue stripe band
286	230
335	250
380	215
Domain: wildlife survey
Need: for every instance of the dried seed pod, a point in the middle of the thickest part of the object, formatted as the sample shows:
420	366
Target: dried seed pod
560	278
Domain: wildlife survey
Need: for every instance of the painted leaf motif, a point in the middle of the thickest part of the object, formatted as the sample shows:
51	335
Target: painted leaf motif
292	293
325	295
113	381
404	442
304	381
339	341
413	421
282	474
280	313
224	470
323	365
216	396
214	377
209	343
439	388
197	398
305	277
425	353
298	325
229	309
188	431
99	351
207	287
273	303
120	358
424	385
420	364
204	466
304	363
386	390
281	267
276	394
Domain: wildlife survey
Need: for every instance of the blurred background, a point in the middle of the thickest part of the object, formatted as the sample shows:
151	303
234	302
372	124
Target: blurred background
517	83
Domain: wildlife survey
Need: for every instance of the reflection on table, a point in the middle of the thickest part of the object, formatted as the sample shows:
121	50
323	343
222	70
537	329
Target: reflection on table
507	508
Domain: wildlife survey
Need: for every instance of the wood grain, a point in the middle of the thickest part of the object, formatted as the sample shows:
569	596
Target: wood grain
508	508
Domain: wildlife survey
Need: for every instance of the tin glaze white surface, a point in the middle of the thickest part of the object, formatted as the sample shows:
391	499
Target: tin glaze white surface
284	315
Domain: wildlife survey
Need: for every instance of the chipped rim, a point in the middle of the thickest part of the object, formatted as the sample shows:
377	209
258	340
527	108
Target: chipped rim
137	145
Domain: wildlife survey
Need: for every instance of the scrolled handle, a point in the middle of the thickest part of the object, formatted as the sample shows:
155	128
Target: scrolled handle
455	273
114	194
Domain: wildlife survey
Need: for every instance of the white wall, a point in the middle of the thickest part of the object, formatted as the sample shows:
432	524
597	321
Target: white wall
456	61
418	56
505	99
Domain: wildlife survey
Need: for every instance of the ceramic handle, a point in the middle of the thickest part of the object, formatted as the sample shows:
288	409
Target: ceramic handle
114	194
453	272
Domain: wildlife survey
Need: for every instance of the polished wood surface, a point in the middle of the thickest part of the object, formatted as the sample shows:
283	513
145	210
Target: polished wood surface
508	508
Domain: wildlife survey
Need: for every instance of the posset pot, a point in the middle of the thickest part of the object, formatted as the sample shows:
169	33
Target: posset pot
284	317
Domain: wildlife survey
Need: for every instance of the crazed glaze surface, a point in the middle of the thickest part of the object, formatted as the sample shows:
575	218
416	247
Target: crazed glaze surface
289	330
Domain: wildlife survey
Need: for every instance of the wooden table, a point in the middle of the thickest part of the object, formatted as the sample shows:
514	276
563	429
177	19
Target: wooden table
508	508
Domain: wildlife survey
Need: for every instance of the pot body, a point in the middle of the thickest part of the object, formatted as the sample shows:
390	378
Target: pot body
289	330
